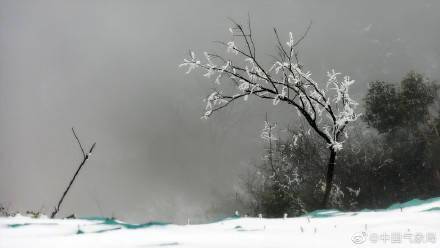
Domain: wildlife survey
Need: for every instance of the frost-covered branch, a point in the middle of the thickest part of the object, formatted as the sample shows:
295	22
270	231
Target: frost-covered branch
328	108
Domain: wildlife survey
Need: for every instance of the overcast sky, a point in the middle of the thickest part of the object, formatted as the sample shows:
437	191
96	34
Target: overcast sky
110	69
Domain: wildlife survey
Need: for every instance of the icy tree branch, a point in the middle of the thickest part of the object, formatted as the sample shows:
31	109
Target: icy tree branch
328	109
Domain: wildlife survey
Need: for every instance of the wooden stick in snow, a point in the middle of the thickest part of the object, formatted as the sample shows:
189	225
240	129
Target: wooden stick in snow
85	158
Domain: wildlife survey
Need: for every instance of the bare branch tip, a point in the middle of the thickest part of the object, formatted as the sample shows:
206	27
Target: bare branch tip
79	142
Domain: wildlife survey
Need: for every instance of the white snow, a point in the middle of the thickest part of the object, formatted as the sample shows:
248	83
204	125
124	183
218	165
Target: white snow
417	225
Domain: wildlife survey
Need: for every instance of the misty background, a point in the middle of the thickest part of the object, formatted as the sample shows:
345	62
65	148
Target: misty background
110	69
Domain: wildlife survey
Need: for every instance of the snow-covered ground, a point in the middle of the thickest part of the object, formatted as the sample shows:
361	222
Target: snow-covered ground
412	224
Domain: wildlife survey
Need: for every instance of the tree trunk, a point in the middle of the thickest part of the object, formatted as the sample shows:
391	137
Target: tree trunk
329	177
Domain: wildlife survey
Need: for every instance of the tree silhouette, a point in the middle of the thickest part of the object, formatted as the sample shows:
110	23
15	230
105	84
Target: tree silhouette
328	108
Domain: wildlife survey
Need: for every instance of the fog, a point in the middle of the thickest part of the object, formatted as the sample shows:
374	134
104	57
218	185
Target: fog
110	69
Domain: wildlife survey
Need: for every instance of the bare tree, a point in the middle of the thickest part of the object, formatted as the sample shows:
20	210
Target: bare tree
86	156
327	109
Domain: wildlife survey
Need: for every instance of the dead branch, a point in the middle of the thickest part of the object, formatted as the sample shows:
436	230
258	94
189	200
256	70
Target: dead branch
84	160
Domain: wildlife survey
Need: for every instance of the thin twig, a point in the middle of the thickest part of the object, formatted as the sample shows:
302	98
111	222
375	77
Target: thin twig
85	158
79	143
